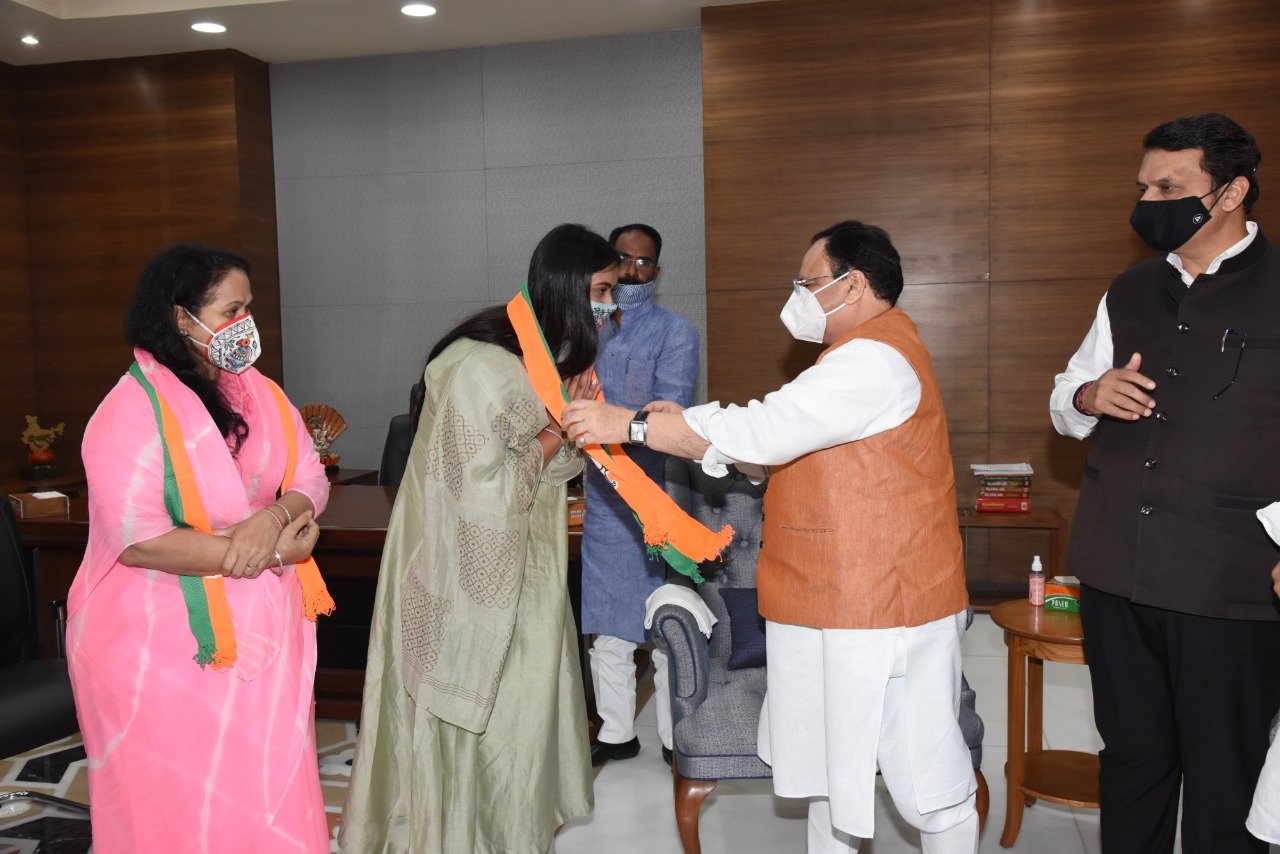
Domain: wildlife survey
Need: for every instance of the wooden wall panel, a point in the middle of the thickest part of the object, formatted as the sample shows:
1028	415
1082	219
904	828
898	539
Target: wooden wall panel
1035	330
814	181
1074	87
998	143
953	324
815	69
256	183
1138	63
123	157
18	391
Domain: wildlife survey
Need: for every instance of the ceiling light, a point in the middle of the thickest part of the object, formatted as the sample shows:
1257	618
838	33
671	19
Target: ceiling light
208	27
30	40
419	10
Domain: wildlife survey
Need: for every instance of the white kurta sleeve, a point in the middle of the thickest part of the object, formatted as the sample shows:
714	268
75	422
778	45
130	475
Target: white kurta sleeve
1269	516
1092	360
858	390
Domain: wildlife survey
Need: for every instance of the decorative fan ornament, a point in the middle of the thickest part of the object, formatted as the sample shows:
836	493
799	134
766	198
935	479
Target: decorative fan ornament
325	424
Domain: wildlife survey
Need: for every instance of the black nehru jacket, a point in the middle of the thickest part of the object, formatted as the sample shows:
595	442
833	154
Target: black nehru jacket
1167	505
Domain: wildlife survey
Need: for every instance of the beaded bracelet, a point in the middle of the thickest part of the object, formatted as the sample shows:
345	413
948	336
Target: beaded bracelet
1078	401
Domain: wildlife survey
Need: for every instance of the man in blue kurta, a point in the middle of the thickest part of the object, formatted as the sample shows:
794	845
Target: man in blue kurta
646	354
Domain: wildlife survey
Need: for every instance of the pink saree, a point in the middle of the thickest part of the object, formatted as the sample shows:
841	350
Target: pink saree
185	758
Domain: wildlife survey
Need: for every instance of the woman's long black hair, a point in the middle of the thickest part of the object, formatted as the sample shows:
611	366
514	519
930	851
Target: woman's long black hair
560	274
184	274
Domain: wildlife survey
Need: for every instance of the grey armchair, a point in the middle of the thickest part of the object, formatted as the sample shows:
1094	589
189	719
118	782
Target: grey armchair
716	711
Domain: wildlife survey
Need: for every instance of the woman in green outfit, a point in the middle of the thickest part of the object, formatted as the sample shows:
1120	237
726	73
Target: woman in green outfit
473	732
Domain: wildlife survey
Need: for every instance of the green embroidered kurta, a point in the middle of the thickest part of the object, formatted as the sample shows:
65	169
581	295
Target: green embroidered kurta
473	734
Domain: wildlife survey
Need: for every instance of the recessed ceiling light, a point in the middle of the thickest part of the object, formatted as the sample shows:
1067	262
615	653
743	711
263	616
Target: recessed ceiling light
30	40
419	10
208	27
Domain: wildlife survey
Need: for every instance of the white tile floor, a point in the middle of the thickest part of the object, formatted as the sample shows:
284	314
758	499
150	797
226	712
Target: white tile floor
634	813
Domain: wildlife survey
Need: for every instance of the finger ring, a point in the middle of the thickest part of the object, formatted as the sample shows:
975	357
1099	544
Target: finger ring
279	559
582	440
250	566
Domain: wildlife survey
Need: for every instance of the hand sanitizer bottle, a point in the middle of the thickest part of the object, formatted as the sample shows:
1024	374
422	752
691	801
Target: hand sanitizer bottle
1035	594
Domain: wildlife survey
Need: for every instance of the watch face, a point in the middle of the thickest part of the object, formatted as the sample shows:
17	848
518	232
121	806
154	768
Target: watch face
637	431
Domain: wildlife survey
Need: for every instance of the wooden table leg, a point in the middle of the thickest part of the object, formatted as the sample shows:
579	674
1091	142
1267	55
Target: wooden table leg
1016	766
1035	709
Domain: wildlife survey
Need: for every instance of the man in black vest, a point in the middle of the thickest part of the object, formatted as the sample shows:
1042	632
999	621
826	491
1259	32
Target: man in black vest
1178	381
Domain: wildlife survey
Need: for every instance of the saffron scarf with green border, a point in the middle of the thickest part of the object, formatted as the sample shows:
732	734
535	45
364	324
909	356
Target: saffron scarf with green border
669	532
208	613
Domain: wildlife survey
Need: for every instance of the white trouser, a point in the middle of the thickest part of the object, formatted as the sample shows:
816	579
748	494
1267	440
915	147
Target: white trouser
842	702
613	675
825	839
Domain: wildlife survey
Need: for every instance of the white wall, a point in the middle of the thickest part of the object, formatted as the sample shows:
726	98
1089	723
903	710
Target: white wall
411	190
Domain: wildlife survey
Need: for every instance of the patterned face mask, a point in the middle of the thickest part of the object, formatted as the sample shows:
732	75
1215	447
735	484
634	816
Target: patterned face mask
233	346
601	312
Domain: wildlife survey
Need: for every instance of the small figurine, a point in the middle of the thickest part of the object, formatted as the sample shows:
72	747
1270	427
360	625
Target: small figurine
325	424
39	441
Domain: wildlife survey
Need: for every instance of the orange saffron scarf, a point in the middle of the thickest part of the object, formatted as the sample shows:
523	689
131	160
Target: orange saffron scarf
669	532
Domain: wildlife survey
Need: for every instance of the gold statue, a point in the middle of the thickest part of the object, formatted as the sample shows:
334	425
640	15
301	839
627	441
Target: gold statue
39	441
325	424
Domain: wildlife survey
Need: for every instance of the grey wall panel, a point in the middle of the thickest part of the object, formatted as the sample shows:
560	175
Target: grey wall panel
606	99
329	118
436	236
362	359
333	240
411	191
524	203
435	111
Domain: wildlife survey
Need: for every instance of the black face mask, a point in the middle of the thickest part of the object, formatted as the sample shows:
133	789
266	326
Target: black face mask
1166	225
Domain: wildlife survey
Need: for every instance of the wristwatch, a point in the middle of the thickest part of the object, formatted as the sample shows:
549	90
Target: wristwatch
638	434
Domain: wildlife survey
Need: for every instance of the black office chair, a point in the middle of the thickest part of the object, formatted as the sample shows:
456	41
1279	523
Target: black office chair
395	453
36	705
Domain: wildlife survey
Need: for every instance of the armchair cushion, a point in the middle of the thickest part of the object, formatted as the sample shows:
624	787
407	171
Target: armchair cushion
746	628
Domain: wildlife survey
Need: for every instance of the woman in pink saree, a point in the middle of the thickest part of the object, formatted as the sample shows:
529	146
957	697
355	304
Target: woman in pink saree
189	644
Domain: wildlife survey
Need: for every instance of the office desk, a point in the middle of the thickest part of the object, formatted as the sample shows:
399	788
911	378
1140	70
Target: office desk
349	550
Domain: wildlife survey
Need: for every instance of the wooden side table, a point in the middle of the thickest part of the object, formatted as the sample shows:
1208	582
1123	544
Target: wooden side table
1068	777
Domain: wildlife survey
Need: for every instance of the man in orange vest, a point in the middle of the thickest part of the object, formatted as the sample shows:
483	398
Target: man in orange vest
861	574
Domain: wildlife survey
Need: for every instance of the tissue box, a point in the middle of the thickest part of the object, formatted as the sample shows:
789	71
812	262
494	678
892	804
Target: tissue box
29	505
1062	593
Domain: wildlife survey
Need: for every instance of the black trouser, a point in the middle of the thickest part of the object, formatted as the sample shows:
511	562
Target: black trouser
1180	701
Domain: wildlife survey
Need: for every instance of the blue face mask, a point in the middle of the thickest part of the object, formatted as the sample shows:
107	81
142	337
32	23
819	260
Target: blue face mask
601	311
632	296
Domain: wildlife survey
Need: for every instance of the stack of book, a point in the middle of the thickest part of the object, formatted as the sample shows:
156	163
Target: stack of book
1003	487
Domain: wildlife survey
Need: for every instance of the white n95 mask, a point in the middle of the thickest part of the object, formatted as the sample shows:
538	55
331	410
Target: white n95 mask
803	315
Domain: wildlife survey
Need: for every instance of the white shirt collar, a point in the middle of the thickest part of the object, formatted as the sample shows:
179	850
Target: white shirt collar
1187	278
